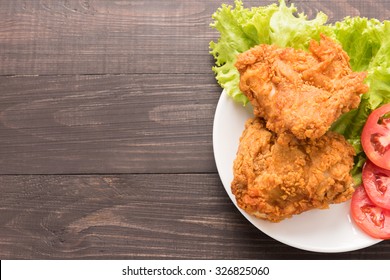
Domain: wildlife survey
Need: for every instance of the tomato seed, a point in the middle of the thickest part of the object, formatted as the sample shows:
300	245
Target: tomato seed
380	142
374	214
381	183
385	122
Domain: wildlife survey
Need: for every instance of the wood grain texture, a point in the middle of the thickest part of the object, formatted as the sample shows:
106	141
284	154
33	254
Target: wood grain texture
107	124
121	95
134	217
44	37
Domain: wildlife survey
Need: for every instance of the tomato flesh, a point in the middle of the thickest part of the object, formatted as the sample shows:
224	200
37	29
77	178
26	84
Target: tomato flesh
376	137
376	182
372	219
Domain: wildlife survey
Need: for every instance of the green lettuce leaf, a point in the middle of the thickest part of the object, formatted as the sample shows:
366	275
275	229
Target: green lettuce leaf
291	30
360	38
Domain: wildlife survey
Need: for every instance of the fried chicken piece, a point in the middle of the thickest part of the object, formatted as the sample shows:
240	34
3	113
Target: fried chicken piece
277	176
298	91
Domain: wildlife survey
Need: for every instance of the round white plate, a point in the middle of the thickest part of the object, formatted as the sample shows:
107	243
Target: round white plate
329	230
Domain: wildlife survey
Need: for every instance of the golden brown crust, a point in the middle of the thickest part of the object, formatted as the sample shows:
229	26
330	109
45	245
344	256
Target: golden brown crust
277	176
297	91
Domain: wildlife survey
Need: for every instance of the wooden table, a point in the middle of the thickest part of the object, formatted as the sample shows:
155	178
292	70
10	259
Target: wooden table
106	114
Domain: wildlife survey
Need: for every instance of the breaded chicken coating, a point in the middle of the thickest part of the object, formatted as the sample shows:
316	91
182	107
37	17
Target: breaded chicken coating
297	91
277	176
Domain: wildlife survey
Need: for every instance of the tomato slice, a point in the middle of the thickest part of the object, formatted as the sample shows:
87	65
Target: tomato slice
372	219
376	137
376	182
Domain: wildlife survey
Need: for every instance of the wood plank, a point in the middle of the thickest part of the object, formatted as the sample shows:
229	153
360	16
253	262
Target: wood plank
98	37
94	37
135	217
107	124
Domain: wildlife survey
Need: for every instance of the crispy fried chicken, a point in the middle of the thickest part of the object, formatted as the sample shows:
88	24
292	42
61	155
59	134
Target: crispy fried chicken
277	176
297	91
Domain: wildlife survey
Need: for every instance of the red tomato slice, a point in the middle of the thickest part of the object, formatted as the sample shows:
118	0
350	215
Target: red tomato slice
376	182
372	219
376	137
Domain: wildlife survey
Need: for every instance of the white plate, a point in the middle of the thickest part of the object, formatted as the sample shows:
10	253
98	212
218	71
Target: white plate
329	230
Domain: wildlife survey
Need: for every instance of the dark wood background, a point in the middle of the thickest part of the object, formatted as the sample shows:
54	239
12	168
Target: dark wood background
106	113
